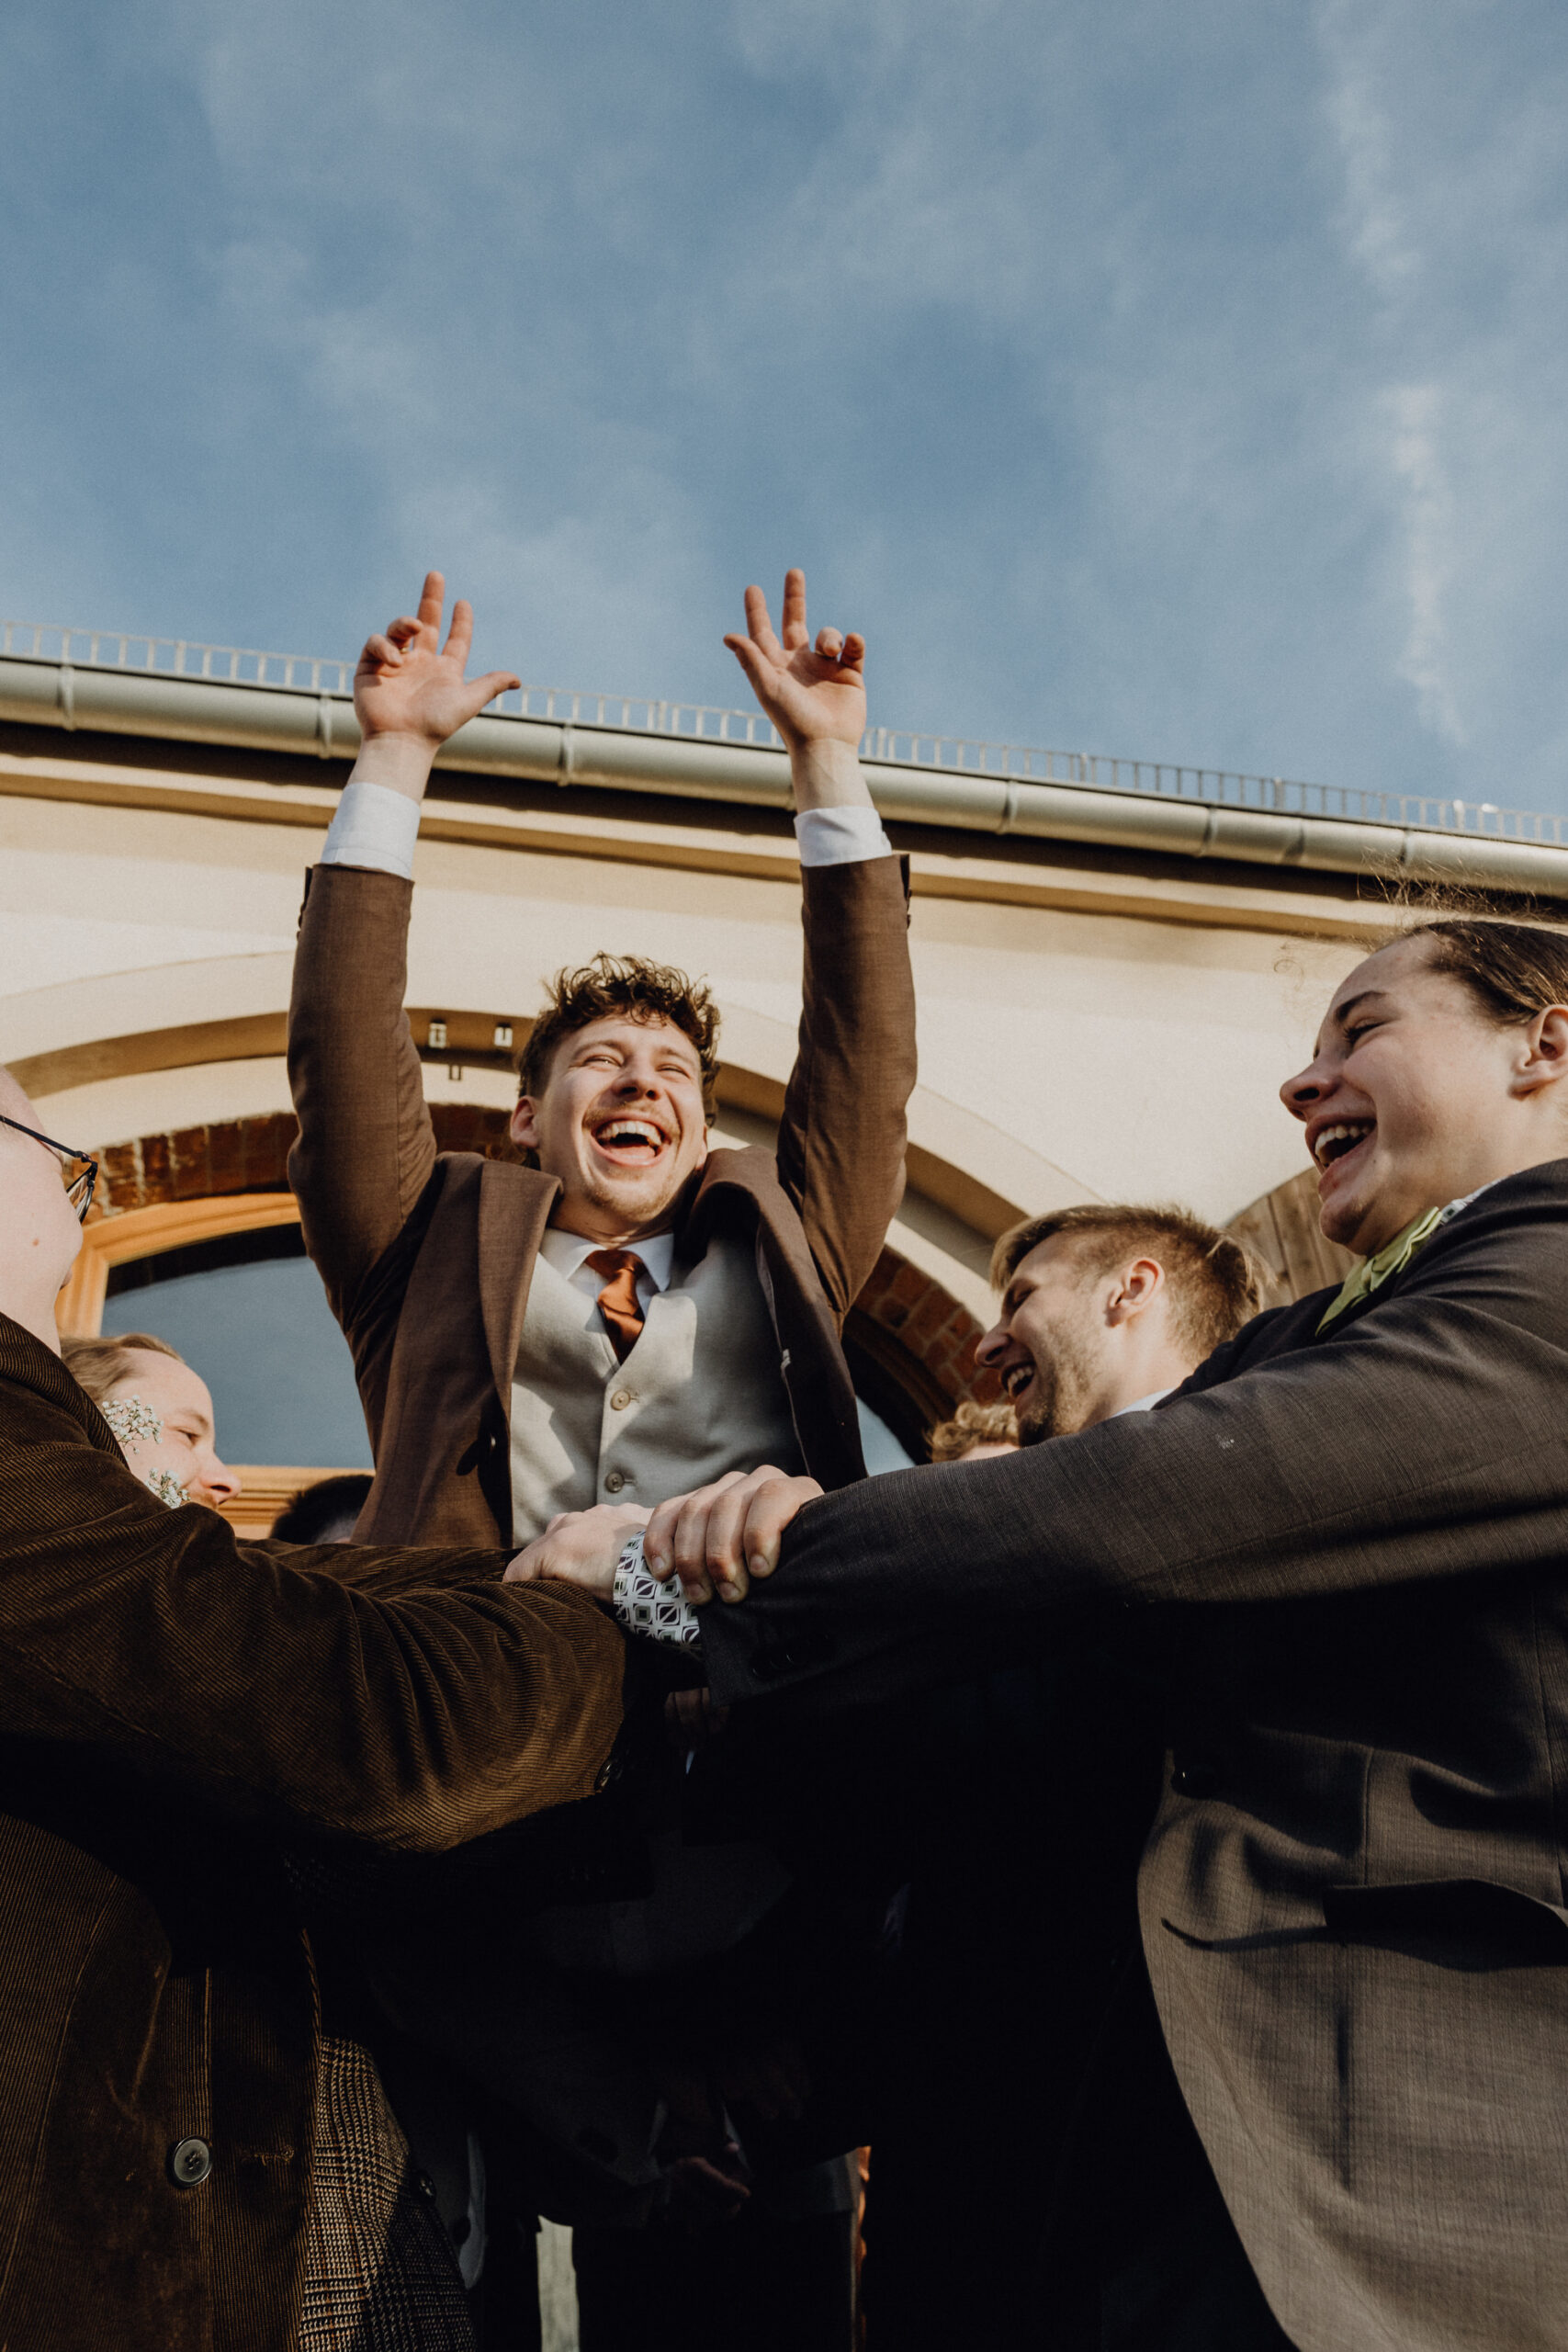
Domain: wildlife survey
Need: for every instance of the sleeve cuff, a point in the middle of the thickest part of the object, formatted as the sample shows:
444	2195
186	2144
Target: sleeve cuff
374	827
840	836
645	1605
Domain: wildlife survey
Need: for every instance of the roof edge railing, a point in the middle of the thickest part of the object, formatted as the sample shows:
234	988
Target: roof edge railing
120	681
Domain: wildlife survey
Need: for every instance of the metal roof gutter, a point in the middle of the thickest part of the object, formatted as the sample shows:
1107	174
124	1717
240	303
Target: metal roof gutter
272	719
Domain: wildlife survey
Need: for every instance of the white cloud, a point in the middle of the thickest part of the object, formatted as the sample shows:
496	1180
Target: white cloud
1414	412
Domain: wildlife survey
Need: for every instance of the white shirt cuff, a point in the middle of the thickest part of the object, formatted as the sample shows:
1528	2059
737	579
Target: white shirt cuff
375	827
840	836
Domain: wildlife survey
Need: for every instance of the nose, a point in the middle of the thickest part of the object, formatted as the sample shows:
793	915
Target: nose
991	1346
215	1482
1301	1093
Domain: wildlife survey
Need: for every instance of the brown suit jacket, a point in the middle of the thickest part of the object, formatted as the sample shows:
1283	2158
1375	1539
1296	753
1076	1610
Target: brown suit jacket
427	1258
1352	1552
169	1698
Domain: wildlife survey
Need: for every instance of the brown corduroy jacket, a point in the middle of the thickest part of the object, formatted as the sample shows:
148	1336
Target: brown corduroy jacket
169	1699
427	1258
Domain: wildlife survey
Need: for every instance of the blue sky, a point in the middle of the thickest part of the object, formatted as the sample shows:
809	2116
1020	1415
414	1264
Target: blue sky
1186	381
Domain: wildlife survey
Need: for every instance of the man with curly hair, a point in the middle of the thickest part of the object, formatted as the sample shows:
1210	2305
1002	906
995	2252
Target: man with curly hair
623	1316
630	1314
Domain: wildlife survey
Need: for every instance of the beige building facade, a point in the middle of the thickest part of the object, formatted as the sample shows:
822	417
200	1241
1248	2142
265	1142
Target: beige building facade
1111	990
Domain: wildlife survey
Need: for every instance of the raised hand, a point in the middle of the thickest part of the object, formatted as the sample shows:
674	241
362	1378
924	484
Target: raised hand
410	691
813	693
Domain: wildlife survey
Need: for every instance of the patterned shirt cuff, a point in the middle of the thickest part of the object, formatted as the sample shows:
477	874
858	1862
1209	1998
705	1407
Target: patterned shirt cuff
840	836
373	827
643	1605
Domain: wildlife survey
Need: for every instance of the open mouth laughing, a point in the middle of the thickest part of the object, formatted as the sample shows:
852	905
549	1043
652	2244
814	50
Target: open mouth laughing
1338	1140
629	1139
1016	1379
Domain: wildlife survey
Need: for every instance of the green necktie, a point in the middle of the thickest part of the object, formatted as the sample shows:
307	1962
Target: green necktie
1392	1259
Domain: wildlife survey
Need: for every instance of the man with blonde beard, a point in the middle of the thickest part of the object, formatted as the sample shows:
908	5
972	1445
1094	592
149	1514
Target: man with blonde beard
1007	1967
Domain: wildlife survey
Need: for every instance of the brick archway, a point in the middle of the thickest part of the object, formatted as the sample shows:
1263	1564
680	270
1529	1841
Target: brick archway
912	1343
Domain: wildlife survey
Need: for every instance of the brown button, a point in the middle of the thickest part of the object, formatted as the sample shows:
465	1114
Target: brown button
620	1400
614	1481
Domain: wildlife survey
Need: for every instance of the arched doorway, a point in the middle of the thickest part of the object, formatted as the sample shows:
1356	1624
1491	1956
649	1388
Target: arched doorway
1283	1227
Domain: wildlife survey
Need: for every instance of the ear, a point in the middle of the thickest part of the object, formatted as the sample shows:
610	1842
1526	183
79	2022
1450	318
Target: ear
525	1125
1135	1290
1543	1059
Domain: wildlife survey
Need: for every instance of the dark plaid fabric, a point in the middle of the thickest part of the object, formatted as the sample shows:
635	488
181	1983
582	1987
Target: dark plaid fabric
380	2275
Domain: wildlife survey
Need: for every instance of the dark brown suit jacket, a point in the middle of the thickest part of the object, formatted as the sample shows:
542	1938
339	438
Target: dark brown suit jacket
1353	1552
169	1698
427	1258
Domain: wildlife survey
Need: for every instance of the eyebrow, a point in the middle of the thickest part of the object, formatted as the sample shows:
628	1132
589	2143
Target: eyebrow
1341	1012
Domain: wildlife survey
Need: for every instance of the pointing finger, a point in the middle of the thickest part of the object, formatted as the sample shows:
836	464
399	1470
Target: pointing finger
795	630
759	671
460	635
760	626
431	597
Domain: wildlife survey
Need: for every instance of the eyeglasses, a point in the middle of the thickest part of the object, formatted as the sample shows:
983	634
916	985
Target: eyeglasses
78	1187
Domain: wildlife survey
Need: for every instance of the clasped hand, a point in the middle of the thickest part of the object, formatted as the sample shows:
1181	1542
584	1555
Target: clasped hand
715	1540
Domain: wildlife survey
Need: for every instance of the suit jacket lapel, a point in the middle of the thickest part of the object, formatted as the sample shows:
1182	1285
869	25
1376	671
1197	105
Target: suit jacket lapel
514	1208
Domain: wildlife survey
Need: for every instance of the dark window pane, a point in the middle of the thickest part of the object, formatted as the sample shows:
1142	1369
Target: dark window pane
248	1312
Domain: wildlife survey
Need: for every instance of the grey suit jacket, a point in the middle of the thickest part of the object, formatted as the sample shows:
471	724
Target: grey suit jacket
1352	1552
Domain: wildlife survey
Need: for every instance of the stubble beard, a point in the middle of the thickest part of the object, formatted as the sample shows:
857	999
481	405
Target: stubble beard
631	1204
1061	1387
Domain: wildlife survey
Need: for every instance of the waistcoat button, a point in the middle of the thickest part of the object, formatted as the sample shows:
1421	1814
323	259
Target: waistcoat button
615	1480
620	1400
190	2162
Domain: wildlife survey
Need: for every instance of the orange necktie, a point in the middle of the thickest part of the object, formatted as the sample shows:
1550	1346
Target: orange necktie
618	1300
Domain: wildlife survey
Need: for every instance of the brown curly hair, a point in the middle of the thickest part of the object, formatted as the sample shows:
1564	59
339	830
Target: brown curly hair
638	991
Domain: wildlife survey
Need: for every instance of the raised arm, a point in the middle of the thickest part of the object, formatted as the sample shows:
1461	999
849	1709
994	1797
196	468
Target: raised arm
366	1148
843	1136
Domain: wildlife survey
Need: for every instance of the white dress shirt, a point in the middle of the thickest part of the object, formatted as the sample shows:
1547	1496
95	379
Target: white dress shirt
568	1253
376	827
1142	1404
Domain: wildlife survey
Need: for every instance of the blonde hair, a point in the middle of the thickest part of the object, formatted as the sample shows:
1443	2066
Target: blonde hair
99	1366
1216	1284
972	1425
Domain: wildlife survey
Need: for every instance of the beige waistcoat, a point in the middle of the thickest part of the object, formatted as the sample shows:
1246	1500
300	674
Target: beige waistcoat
700	1394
